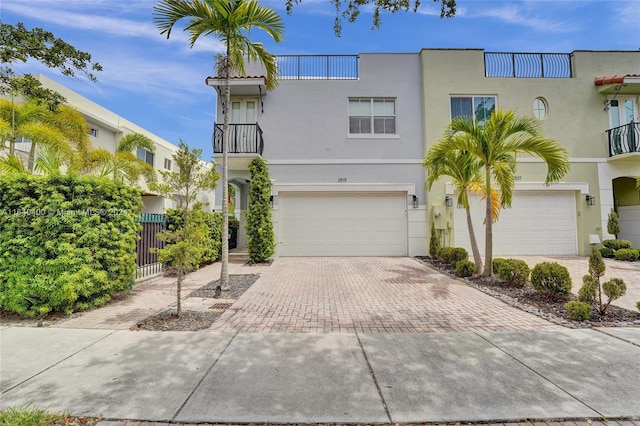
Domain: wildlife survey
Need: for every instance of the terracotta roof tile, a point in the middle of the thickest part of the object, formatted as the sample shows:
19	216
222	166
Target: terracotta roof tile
613	79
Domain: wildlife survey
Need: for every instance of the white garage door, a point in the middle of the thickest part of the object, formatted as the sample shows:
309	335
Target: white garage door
343	224
630	224
538	223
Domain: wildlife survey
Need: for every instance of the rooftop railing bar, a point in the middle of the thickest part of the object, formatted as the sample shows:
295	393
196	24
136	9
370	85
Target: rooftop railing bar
527	65
624	139
318	67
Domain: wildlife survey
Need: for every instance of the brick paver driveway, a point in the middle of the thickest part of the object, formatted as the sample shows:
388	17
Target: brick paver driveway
368	295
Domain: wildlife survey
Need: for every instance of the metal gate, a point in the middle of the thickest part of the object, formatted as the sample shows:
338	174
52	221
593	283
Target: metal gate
147	262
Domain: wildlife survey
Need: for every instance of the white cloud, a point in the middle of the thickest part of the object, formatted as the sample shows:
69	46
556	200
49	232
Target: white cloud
525	15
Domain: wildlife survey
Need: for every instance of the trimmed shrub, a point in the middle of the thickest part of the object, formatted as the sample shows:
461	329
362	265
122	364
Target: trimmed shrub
496	262
434	241
465	268
444	254
627	254
551	278
260	237
588	293
613	224
617	244
614	289
66	243
638	305
607	252
578	311
514	272
457	254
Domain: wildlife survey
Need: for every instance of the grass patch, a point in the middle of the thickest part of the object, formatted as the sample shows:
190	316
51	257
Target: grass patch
28	416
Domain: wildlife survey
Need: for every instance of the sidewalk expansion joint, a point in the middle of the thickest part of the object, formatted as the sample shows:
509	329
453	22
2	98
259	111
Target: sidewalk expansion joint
204	376
616	337
62	360
538	374
375	380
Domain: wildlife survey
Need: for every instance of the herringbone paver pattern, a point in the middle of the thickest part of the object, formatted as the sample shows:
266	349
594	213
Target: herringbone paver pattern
368	295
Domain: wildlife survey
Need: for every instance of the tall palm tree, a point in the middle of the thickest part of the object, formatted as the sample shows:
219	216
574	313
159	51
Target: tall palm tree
231	21
496	144
466	173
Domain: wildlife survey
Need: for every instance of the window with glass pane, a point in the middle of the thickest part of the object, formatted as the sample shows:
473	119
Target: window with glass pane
144	155
476	108
372	115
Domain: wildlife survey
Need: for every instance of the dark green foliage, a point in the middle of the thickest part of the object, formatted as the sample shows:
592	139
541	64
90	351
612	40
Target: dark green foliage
588	293
614	289
66	243
457	254
591	291
578	311
613	224
617	244
434	242
465	268
261	240
207	223
443	254
496	264
627	254
551	278
607	252
514	272
638	305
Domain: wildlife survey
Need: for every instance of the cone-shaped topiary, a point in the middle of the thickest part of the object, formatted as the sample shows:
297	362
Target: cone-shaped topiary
261	240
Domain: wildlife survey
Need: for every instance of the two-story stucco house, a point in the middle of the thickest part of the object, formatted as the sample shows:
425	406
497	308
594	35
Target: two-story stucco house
587	101
344	137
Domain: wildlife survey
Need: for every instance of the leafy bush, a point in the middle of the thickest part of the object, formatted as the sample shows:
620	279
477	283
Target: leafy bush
617	244
434	242
66	243
614	289
444	254
465	268
591	292
551	278
207	223
578	311
496	263
629	255
457	254
607	252
261	239
514	272
613	224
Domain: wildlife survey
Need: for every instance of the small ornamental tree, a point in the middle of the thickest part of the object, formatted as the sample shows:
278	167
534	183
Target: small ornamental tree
613	224
185	243
261	240
591	291
434	241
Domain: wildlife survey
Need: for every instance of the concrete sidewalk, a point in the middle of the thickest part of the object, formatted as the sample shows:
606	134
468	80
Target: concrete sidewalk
217	377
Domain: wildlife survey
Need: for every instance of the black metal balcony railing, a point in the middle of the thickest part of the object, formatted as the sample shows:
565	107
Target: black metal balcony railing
624	139
317	67
243	139
527	65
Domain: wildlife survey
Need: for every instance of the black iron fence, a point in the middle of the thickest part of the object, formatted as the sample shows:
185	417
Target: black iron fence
624	139
243	139
527	65
147	262
317	67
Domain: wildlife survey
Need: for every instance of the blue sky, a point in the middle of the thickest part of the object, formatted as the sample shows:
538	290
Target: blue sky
159	84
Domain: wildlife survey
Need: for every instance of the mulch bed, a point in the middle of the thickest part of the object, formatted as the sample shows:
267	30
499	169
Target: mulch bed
196	320
529	300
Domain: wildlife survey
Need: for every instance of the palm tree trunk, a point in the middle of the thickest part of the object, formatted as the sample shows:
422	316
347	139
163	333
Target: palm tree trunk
488	244
474	244
32	156
12	142
224	270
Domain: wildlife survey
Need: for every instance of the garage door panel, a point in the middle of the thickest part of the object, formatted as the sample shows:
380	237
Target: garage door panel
325	224
538	223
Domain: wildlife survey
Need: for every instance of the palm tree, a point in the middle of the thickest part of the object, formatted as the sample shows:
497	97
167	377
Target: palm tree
496	145
231	21
465	170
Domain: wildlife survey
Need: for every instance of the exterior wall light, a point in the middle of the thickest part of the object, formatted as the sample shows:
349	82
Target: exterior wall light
591	201
415	202
448	201
271	200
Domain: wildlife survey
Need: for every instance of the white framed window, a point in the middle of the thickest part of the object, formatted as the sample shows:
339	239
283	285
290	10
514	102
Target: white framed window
540	108
373	116
477	108
167	163
146	156
93	132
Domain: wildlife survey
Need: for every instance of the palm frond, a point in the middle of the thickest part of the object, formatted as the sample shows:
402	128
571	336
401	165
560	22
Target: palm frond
13	164
133	141
48	161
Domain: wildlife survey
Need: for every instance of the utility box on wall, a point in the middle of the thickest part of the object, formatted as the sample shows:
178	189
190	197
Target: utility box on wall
439	217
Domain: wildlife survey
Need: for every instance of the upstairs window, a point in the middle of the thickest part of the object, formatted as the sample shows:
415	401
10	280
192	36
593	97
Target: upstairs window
146	156
372	116
477	108
167	164
93	132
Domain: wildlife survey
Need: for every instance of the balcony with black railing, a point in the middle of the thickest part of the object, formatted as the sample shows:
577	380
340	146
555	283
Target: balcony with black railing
243	139
624	139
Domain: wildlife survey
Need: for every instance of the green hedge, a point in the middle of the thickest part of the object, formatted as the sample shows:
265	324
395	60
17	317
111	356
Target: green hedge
211	223
66	243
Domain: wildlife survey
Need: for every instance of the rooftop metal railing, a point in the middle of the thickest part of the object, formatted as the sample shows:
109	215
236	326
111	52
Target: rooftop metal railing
527	65
318	67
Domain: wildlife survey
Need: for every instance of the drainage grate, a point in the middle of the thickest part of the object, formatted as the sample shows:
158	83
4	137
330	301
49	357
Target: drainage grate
221	306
